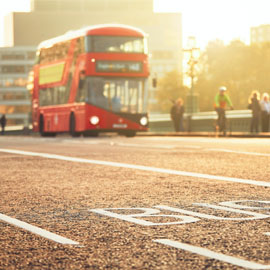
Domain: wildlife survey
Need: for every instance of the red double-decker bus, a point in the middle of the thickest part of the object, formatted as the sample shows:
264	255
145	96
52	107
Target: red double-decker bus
91	80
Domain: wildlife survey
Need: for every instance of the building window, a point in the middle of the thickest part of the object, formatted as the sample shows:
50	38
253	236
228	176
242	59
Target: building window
13	69
31	55
13	82
162	55
10	56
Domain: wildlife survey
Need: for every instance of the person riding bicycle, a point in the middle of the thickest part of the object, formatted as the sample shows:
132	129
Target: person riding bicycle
221	101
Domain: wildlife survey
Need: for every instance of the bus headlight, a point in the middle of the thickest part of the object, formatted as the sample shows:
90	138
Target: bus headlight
144	121
94	120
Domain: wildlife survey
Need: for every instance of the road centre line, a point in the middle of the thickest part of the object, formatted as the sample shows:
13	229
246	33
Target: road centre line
239	152
213	255
36	230
138	167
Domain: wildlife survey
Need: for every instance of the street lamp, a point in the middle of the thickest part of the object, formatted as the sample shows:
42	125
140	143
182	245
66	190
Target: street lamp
193	54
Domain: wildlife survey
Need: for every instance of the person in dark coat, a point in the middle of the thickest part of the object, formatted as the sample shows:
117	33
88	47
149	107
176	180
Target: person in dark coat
177	113
3	122
265	112
254	106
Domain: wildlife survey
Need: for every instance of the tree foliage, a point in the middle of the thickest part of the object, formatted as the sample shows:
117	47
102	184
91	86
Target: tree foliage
169	88
239	67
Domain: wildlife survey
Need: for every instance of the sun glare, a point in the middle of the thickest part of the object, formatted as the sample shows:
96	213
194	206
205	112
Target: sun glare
14	5
10	6
217	19
205	19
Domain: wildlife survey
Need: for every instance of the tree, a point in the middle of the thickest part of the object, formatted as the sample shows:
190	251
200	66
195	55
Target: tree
239	67
169	88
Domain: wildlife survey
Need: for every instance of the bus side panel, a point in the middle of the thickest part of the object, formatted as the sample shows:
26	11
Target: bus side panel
80	115
35	100
56	119
61	118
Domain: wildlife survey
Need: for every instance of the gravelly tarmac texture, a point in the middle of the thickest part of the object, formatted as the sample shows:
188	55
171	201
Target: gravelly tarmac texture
59	196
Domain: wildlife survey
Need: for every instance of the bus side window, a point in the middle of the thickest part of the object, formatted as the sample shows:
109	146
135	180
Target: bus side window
79	48
82	48
87	44
41	56
58	51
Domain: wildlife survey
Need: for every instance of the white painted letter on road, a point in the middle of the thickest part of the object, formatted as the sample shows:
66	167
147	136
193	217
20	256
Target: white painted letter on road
147	212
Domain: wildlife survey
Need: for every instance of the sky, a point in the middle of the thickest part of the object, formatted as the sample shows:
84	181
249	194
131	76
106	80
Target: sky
218	19
7	6
205	19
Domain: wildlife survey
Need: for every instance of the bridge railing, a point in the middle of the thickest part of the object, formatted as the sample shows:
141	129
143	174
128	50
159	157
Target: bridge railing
237	121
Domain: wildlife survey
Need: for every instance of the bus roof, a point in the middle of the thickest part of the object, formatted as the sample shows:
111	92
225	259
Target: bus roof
97	30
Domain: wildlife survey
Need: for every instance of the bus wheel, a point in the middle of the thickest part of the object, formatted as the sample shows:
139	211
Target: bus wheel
72	126
41	126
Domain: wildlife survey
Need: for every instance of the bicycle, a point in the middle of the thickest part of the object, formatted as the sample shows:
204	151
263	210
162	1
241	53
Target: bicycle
222	122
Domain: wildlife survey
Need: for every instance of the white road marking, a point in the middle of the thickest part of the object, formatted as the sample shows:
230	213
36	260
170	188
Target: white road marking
240	152
213	255
138	167
235	204
267	233
36	230
147	212
201	215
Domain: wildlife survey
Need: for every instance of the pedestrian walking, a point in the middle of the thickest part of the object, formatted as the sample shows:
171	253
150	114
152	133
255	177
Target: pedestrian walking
177	115
265	112
3	122
254	106
221	101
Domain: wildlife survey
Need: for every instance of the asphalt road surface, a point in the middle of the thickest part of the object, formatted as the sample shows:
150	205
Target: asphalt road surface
134	203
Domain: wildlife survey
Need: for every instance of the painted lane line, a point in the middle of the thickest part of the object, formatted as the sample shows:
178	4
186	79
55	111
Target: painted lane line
267	233
213	255
138	167
239	152
36	230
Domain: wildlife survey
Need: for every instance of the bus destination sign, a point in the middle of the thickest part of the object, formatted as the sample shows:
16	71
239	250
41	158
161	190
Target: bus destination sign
119	66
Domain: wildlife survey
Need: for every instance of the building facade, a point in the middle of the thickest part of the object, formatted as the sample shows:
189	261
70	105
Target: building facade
15	102
50	18
86	5
260	34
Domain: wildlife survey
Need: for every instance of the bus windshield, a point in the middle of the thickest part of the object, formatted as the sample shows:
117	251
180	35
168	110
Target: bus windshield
118	95
116	44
